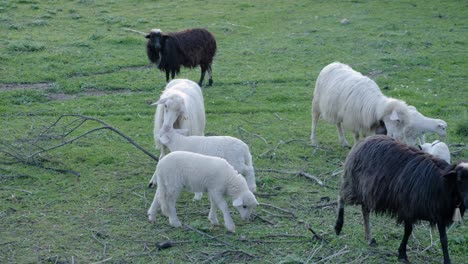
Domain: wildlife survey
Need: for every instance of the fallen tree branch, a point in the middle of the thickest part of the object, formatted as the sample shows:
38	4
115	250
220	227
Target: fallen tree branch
301	173
208	236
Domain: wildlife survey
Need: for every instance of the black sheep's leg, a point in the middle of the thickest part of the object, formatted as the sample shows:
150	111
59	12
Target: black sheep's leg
173	72
443	241
340	216
203	71
402	257
210	75
367	226
167	76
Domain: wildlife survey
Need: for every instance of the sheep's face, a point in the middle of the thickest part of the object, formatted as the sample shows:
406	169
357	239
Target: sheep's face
395	124
154	37
174	109
441	129
245	204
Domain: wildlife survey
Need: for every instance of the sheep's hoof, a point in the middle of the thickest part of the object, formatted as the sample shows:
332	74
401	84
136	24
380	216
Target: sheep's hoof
151	185
152	218
403	260
210	82
372	243
175	223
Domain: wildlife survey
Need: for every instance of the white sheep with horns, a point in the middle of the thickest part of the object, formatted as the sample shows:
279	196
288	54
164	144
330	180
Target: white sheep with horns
180	105
354	102
199	173
420	125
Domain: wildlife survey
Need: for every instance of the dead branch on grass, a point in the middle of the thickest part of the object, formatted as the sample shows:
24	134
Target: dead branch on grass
28	151
301	173
208	236
271	151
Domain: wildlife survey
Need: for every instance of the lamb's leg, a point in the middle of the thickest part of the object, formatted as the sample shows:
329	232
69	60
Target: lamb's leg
341	136
402	257
203	71
222	205
210	75
443	242
154	208
212	215
171	199
367	227
340	216
315	118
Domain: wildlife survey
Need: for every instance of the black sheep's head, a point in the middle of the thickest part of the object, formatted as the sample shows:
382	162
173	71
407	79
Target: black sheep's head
155	37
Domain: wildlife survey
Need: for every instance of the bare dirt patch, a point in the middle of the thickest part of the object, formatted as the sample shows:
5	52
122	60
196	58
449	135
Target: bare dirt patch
26	86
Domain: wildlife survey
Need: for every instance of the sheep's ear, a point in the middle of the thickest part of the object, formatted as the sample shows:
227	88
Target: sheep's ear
394	116
450	176
237	202
147	36
164	139
160	101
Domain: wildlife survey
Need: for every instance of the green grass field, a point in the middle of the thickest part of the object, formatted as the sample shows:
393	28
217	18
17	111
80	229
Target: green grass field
74	57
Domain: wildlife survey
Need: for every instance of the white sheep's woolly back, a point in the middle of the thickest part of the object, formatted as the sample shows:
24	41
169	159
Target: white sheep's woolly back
193	118
346	96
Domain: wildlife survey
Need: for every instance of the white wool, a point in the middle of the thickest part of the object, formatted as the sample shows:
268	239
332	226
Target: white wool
199	173
155	30
354	102
438	149
180	105
233	150
420	125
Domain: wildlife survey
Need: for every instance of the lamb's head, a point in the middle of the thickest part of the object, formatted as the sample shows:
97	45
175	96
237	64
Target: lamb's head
396	118
155	39
245	204
166	136
441	128
426	147
174	109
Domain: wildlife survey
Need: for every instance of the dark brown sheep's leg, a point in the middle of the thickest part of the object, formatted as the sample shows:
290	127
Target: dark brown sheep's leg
443	241
340	217
167	76
202	77
402	257
210	75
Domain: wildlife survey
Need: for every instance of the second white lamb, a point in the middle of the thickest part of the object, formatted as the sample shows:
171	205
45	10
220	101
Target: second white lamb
199	173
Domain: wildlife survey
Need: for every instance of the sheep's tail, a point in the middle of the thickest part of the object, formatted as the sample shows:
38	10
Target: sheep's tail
340	217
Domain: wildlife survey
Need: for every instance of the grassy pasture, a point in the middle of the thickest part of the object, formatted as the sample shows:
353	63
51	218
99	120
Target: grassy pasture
73	57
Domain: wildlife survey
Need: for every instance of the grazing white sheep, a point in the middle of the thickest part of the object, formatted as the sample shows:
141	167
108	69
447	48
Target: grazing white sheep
354	102
438	149
180	106
199	173
419	125
233	150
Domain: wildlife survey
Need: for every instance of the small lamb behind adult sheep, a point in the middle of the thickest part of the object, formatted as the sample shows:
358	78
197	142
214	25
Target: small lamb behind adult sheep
189	48
389	177
199	173
233	150
181	105
419	125
354	102
438	149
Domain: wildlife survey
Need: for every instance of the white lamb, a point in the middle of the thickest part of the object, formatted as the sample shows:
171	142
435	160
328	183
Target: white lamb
199	173
438	149
419	125
180	106
354	102
233	150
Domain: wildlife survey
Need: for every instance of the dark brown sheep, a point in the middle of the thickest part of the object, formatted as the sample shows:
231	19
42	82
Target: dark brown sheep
389	177
188	48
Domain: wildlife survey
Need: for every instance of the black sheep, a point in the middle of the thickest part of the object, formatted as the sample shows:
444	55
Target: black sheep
389	177
188	48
